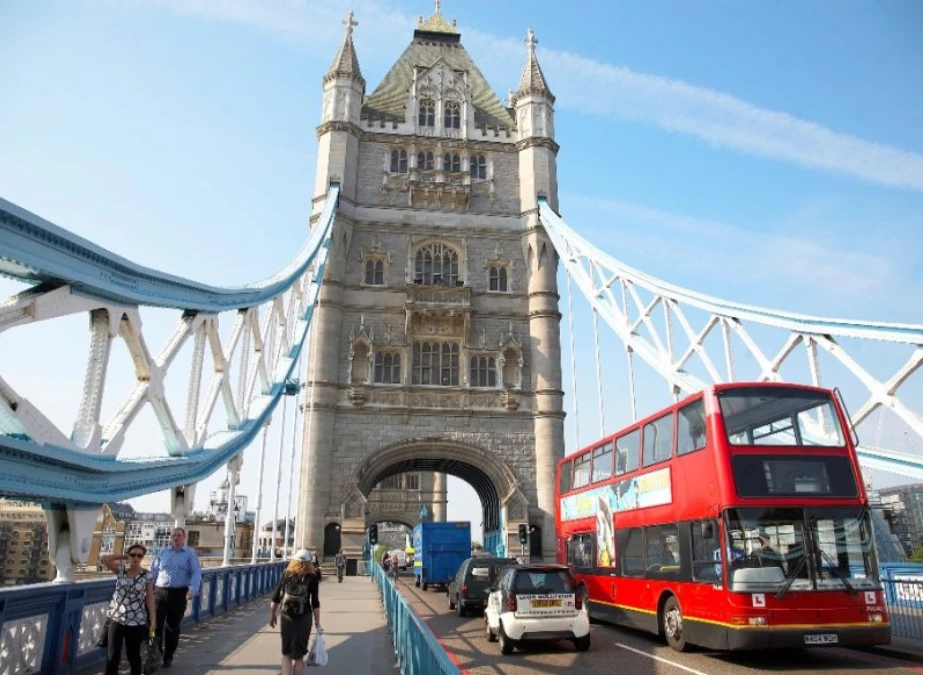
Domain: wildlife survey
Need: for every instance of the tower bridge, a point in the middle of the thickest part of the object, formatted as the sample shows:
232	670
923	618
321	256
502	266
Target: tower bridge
423	316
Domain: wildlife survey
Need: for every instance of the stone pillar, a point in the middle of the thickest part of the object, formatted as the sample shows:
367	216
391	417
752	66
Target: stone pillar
439	503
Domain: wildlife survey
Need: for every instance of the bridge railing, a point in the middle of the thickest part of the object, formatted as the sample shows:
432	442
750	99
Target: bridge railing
904	605
416	648
54	628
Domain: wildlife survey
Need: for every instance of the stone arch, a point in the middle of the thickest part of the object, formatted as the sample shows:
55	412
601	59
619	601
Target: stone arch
492	479
400	517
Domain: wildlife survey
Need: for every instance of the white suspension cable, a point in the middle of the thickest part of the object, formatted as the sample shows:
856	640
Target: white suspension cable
597	368
263	456
279	478
571	340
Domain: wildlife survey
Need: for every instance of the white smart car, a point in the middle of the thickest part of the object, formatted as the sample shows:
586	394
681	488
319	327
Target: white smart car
536	602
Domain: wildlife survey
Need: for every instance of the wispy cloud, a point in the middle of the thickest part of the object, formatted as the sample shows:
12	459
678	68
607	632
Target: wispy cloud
699	247
590	86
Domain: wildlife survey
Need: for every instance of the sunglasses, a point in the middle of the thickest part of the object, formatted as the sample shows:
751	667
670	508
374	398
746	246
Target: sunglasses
136	555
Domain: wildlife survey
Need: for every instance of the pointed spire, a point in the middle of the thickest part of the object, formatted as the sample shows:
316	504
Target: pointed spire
346	61
532	79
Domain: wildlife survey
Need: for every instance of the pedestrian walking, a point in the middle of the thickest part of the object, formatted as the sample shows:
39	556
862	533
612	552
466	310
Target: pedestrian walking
177	579
297	598
130	617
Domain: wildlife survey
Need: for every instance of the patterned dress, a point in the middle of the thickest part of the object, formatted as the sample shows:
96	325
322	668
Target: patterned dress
128	605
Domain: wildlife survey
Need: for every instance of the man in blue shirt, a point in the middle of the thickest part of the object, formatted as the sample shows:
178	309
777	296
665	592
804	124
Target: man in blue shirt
177	579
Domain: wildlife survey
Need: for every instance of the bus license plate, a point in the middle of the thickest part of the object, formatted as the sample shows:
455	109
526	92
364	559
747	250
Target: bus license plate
821	639
545	603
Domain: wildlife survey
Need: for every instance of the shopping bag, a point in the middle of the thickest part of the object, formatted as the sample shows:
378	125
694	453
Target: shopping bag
317	654
152	658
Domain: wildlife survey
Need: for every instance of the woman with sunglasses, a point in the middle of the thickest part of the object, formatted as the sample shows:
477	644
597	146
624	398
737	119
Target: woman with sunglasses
131	611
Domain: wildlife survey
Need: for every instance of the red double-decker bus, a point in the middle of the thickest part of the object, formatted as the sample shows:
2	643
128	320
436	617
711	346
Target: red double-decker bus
734	519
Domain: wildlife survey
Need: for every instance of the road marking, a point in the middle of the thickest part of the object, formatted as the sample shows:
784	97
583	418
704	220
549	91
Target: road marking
659	658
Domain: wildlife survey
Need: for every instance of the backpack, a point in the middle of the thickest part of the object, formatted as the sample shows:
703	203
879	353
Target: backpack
295	595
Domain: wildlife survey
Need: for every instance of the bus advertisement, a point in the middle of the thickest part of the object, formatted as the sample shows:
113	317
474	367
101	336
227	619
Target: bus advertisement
734	519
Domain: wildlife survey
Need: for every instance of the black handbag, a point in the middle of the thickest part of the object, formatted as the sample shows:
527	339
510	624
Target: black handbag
152	658
103	642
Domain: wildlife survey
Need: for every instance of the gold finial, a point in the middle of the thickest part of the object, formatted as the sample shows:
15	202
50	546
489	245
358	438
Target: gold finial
531	40
436	23
349	23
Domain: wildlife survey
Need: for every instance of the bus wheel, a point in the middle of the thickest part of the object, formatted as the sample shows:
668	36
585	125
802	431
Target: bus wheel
673	625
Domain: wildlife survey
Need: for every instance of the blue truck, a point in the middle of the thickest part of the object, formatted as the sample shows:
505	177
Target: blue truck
439	550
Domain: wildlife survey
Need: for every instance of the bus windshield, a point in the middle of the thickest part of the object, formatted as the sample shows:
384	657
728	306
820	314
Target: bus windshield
772	416
786	550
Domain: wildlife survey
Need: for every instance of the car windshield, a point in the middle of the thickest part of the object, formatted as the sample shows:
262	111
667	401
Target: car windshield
778	416
543	581
787	550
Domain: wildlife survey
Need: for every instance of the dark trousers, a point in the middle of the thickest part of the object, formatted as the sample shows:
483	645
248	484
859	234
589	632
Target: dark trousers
133	636
171	606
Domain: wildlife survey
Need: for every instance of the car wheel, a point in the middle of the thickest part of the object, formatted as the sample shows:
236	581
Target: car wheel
460	607
582	644
673	625
506	643
489	633
449	601
587	605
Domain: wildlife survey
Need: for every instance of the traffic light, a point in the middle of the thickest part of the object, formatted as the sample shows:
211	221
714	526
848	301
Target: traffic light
522	533
374	534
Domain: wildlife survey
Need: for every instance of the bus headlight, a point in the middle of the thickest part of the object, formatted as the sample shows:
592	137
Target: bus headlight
875	617
757	621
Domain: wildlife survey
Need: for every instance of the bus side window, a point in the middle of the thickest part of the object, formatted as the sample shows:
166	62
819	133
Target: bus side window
658	440
663	553
581	471
632	553
691	428
581	550
565	478
704	542
628	452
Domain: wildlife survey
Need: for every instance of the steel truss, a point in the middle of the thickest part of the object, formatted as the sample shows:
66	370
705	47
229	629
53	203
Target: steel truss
612	289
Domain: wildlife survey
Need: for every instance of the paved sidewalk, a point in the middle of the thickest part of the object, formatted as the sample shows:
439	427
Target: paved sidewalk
901	648
241	642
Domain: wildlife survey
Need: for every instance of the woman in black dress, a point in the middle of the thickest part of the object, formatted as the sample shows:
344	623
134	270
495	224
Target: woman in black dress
297	598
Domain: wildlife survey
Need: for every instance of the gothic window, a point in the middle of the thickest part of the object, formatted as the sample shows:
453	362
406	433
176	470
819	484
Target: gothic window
450	162
398	161
374	273
426	112
435	363
483	371
391	483
451	115
388	368
478	167
425	161
497	278
412	481
436	265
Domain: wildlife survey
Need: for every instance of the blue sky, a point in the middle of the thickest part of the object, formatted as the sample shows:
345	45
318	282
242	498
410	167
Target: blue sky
769	153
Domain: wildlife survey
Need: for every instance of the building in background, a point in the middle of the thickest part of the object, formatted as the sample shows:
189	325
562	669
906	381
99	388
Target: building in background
109	532
902	509
23	544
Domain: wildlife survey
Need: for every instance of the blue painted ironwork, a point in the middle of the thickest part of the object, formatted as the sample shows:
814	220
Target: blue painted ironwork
416	649
35	250
53	628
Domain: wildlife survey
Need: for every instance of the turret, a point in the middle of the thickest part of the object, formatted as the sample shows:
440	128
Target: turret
343	87
537	150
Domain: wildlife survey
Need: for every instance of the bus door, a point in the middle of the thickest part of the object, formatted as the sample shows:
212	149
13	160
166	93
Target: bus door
705	597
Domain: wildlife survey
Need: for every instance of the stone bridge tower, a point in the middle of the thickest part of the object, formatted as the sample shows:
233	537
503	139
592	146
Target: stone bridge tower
435	346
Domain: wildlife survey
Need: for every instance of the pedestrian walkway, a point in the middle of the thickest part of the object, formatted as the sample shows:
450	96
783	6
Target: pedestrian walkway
241	642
